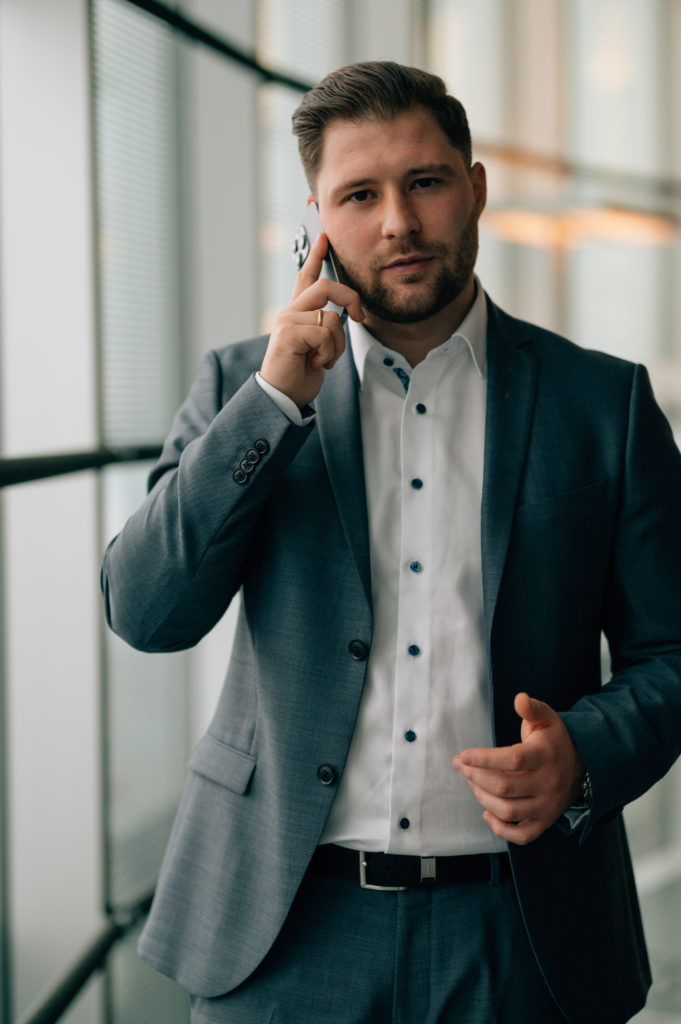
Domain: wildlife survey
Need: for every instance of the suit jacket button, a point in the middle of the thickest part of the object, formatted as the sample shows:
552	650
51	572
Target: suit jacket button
239	476
261	446
327	774
358	649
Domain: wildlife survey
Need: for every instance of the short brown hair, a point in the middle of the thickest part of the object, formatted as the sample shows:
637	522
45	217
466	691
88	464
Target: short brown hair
380	90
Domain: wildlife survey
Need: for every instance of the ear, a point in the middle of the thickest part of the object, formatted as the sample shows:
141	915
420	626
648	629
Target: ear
478	177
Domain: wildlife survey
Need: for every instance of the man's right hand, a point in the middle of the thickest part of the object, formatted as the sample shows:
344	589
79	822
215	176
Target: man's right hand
299	352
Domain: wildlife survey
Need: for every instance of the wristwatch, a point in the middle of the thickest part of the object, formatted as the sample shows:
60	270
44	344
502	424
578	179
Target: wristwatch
586	789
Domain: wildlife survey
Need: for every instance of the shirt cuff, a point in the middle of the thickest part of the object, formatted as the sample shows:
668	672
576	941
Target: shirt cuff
573	818
289	408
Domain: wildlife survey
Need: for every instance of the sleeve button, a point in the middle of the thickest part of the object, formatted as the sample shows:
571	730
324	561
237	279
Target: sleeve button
261	446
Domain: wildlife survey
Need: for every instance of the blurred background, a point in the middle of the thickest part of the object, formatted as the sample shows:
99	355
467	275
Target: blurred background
149	190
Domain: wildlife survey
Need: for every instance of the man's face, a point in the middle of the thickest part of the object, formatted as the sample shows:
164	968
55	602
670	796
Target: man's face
401	211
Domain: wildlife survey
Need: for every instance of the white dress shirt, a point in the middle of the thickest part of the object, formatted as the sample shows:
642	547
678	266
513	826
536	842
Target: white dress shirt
427	694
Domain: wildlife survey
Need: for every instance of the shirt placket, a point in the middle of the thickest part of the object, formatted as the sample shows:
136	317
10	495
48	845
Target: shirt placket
412	661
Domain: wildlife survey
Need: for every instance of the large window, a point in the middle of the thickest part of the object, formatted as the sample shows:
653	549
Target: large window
308	39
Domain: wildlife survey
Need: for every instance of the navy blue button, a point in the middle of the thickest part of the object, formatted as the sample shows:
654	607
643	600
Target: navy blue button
403	377
410	735
414	649
417	484
420	408
415	566
388	361
404	823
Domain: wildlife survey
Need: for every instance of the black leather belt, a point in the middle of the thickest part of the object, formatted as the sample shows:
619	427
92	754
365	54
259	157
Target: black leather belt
394	872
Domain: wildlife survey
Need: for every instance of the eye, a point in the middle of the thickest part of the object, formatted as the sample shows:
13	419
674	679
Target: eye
420	184
361	196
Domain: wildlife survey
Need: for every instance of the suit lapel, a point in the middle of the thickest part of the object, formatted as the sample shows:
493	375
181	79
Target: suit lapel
338	421
512	373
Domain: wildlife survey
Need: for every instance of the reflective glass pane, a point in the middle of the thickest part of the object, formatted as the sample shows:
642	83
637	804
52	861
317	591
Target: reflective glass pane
307	38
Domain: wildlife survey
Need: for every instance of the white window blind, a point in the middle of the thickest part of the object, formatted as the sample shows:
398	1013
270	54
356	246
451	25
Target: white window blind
138	215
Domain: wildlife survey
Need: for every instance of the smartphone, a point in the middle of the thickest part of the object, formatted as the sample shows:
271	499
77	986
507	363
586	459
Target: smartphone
300	250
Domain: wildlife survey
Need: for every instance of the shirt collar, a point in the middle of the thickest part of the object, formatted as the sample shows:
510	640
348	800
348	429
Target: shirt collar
472	330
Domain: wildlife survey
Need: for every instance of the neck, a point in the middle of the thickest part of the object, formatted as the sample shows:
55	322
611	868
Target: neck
414	341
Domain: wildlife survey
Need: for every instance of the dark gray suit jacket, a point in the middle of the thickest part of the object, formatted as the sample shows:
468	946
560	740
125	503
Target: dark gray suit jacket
581	532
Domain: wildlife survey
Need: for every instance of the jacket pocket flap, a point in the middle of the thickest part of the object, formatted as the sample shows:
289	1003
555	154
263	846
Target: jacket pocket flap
223	764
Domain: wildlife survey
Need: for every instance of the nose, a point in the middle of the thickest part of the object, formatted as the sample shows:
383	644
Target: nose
399	216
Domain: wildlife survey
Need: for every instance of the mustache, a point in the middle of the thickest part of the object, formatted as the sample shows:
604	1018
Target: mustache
413	250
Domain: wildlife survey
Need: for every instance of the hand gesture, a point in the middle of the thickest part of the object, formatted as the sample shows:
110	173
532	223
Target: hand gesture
526	787
304	344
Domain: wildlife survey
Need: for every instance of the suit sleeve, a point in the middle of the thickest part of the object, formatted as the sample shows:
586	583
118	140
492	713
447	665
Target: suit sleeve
168	577
629	733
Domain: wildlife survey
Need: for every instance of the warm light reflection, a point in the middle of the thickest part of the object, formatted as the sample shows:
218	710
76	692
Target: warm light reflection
573	225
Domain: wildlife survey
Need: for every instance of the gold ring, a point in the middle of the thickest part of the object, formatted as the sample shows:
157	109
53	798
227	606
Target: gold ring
320	317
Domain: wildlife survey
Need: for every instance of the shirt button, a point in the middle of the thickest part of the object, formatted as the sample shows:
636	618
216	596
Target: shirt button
414	649
404	823
327	774
417	484
358	649
410	735
420	408
415	566
388	361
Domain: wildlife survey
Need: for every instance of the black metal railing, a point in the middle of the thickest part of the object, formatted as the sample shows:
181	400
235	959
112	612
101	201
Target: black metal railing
31	468
192	30
51	1006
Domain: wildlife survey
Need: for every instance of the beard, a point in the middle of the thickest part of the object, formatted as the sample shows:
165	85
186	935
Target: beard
384	300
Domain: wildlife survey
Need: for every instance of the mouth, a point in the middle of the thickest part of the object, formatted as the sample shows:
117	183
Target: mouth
409	264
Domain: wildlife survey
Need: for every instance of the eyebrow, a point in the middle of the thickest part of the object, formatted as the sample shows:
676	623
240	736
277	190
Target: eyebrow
441	170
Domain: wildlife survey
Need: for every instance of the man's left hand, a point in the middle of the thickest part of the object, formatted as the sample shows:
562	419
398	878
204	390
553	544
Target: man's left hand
526	787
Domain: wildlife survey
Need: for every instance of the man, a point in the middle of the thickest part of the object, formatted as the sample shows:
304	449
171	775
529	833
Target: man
408	804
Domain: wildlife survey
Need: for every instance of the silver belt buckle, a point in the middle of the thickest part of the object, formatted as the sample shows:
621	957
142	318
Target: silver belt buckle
427	875
428	869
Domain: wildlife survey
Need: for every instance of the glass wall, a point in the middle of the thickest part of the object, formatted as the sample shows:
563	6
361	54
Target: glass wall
306	39
51	848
